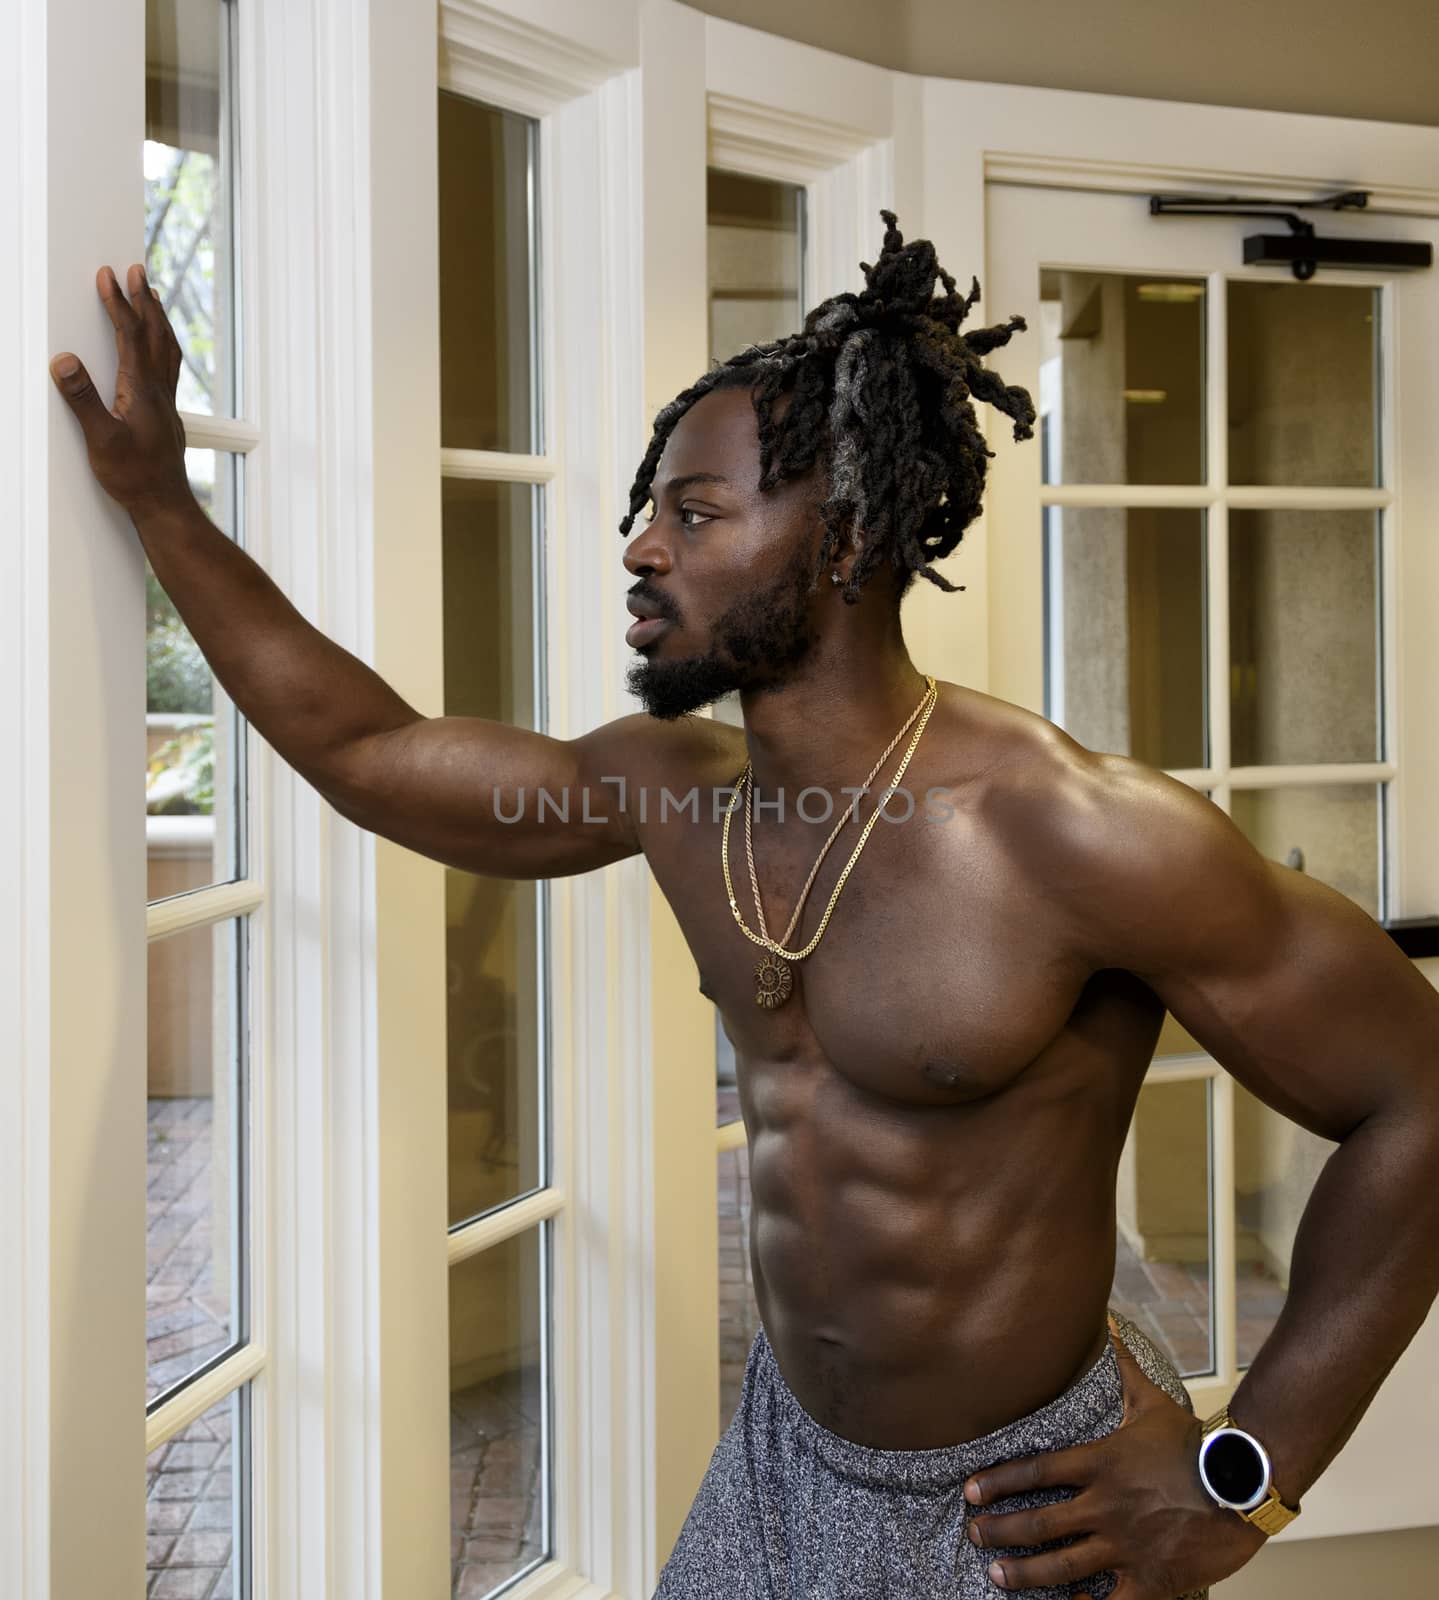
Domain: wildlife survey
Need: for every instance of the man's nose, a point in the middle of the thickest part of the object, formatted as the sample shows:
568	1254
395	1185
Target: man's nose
646	552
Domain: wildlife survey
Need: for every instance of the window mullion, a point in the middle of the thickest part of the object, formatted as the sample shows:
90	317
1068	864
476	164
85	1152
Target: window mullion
202	907
498	466
227	434
505	1223
197	1397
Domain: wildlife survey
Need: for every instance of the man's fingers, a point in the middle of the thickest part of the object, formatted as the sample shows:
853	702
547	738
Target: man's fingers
159	336
1074	1467
121	313
74	383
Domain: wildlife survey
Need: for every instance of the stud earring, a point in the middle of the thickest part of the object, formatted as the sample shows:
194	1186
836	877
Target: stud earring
835	578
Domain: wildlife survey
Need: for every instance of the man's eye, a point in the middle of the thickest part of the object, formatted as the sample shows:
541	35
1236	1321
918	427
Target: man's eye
689	511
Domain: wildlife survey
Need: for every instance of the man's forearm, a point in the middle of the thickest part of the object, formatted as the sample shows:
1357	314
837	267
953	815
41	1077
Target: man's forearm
307	696
1364	1273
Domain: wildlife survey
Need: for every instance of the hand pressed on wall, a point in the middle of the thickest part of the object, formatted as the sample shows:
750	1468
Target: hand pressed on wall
136	446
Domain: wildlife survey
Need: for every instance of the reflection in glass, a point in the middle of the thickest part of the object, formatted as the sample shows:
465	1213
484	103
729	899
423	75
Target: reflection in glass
756	265
1276	1164
196	1088
194	737
755	243
738	1313
1303	636
1303	383
501	1428
726	1074
1121	378
494	926
489	399
197	1506
1163	1261
1125	591
1330	830
188	192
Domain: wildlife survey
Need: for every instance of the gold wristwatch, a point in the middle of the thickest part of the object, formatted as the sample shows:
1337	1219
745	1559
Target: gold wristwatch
1234	1469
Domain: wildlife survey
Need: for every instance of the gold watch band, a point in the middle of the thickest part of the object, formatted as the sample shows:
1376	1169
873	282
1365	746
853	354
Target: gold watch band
1271	1514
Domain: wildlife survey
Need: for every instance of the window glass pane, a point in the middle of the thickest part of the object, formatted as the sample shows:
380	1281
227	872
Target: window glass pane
189	200
489	394
1276	1163
194	737
496	1010
1162	1260
1303	383
501	1429
1125	600
197	1507
194	1232
738	1313
1303	636
756	264
1121	378
1332	831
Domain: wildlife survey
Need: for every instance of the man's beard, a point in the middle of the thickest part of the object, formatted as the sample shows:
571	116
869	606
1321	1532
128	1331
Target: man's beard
760	642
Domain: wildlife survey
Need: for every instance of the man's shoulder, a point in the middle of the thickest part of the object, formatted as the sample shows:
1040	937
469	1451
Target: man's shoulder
1120	848
662	751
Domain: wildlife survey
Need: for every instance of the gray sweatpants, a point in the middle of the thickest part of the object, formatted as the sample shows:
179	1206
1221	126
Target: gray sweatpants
789	1510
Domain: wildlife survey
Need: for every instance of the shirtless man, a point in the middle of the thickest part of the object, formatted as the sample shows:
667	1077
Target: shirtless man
935	1111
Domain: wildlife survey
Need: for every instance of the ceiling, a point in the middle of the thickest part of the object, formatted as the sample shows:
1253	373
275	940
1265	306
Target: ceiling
1377	59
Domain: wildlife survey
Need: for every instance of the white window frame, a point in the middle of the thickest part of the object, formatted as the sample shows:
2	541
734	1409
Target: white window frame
77	928
573	68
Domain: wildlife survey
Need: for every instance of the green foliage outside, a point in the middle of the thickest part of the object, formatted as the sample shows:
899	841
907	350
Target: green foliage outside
180	780
180	200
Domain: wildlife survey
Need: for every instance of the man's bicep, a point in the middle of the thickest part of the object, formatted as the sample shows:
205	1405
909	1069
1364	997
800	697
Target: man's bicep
1286	982
491	798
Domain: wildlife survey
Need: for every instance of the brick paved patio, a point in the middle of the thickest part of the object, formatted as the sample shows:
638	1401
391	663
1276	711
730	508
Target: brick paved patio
186	1322
189	1502
495	1488
189	1512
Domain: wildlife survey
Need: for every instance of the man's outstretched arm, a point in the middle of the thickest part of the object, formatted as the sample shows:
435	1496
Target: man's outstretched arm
1311	1006
448	787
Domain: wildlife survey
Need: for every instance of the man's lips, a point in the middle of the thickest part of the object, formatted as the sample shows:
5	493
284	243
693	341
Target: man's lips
644	630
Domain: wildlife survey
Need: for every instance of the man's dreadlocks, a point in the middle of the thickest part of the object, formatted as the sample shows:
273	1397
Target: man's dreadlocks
880	384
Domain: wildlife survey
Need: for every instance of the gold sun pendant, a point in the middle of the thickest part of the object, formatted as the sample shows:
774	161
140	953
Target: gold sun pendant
774	981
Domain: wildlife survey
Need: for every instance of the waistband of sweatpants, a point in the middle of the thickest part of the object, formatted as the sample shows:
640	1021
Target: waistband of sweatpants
1091	1405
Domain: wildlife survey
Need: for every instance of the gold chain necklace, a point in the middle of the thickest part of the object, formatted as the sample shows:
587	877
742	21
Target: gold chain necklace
773	977
747	780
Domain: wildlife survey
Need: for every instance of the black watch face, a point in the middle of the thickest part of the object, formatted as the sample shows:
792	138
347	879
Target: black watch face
1233	1467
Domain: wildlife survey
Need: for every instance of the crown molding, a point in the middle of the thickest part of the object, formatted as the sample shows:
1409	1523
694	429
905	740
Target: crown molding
513	63
745	136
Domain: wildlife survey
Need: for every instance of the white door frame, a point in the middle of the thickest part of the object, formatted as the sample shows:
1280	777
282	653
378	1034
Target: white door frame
981	134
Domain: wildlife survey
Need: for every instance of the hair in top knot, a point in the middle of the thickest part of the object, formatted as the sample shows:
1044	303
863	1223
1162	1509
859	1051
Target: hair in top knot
882	385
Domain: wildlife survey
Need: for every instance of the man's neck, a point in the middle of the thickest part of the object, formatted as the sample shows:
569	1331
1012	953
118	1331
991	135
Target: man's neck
827	727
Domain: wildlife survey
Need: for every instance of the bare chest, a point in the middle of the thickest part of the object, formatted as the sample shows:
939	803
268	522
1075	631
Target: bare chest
942	972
